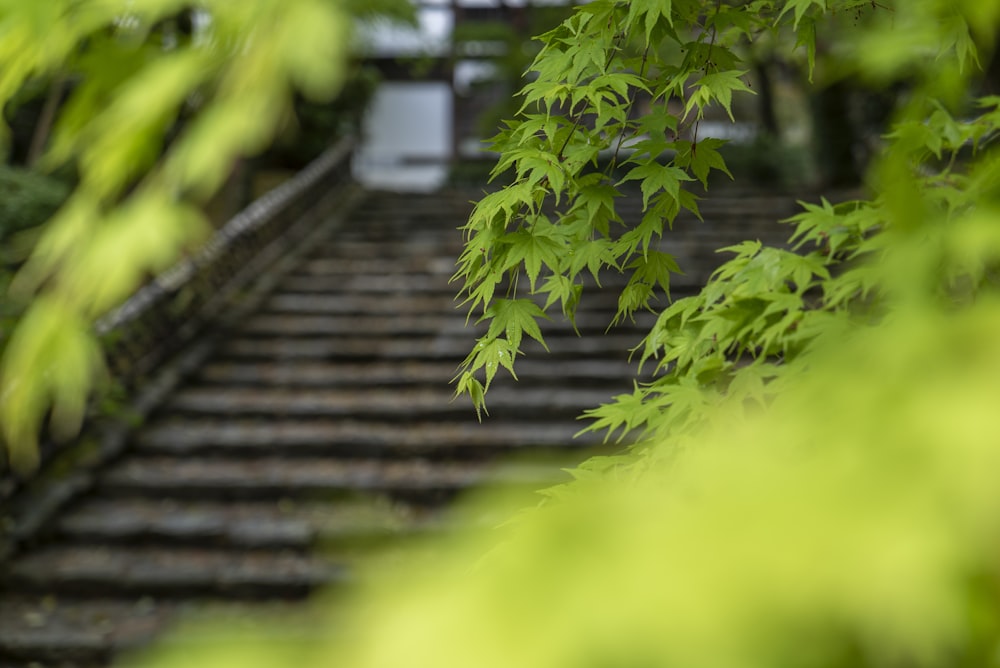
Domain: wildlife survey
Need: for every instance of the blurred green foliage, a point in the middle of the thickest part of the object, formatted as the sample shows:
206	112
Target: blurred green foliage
317	124
27	199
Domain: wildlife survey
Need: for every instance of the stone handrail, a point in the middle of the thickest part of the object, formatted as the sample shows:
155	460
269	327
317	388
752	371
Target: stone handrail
164	316
170	310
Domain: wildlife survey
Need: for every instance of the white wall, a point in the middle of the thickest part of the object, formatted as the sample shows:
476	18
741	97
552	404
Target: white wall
407	138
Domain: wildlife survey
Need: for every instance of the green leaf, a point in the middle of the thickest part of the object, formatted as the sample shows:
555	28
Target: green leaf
800	7
651	11
718	86
513	318
534	250
655	178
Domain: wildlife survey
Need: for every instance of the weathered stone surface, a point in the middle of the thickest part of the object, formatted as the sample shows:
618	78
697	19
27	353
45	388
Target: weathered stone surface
444	347
537	371
386	404
587	323
280	523
279	477
110	571
351	437
59	630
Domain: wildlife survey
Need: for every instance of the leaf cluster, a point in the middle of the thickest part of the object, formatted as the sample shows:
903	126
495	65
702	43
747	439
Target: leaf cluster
613	101
763	310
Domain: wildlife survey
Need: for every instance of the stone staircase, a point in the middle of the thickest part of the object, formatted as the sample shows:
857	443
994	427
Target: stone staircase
324	418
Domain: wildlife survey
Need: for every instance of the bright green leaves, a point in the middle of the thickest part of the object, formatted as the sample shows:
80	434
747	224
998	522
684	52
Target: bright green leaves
806	37
701	158
650	271
800	7
513	318
532	248
580	145
579	124
48	366
654	178
640	414
121	138
648	13
716	87
314	46
760	311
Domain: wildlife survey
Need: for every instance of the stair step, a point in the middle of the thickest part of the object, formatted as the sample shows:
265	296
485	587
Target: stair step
77	632
367	284
453	323
288	437
432	243
215	477
282	523
602	303
435	265
444	347
292	373
384	404
169	572
370	286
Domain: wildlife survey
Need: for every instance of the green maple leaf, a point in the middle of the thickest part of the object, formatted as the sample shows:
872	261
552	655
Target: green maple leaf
514	318
656	177
651	11
800	7
534	250
718	86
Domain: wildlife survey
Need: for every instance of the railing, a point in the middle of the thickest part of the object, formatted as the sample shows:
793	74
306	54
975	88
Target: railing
169	312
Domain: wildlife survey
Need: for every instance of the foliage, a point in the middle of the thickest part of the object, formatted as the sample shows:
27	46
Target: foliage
27	199
163	99
556	221
515	54
318	124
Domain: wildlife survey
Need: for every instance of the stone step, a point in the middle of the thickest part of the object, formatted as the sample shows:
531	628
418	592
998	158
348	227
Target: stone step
291	302
354	438
602	304
273	476
367	284
295	325
79	633
39	630
431	244
536	371
247	524
423	348
119	571
442	266
419	284
383	404
427	274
